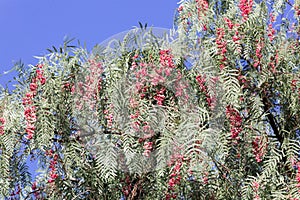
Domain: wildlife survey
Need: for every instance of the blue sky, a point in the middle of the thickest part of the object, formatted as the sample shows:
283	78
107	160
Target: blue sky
29	27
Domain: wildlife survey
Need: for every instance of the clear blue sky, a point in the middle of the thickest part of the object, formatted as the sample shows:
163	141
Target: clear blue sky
29	27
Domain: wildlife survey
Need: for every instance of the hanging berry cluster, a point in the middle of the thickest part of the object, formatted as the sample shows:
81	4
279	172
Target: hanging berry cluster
149	83
160	96
89	88
53	162
271	30
234	32
255	187
29	108
180	86
294	86
35	189
273	63
202	7
148	146
246	8
297	10
235	120
147	138
259	148
258	53
108	115
2	123
297	166
175	176
15	194
203	88
221	45
166	60
126	189
149	75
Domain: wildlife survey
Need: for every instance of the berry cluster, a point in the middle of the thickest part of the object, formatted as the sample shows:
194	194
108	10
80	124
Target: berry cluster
30	109
148	146
35	190
166	59
246	8
298	174
271	30
53	170
297	10
175	176
294	84
109	116
203	88
160	96
258	54
255	186
229	23
128	186
89	88
221	45
259	148
233	27
167	64
235	120
202	7
180	86
2	123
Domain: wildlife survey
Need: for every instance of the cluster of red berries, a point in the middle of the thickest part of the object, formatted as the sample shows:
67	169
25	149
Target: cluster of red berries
89	88
271	32
175	176
148	134
235	120
34	189
294	84
246	8
30	109
148	146
297	10
16	193
233	26
258	54
180	8
258	148
221	45
128	186
160	96
166	66
167	62
166	58
229	23
255	186
203	88
53	171
298	174
2	123
202	7
109	116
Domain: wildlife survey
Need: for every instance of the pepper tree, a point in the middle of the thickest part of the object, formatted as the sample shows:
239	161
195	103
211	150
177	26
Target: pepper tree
208	111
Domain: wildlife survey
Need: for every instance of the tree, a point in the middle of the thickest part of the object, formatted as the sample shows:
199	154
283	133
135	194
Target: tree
209	111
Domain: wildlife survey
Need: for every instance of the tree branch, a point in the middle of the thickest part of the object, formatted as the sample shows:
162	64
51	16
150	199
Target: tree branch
271	120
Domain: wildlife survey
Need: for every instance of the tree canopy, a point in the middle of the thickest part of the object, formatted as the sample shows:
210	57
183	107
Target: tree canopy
208	111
